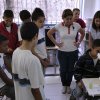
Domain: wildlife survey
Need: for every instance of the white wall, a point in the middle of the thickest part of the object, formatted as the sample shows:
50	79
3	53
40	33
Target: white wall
97	5
89	8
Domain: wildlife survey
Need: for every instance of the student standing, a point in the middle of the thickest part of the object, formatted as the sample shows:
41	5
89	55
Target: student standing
25	17
9	29
26	68
76	14
94	31
67	53
40	51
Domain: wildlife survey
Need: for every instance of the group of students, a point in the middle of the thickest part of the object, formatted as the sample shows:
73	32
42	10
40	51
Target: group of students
32	42
26	48
71	32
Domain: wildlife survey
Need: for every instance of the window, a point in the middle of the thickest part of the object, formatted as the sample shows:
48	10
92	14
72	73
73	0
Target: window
52	8
2	8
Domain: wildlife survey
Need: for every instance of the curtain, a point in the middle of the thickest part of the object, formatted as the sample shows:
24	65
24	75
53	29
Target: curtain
2	8
52	8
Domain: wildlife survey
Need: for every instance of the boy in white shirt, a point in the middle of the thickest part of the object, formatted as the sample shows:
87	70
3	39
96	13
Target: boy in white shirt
26	68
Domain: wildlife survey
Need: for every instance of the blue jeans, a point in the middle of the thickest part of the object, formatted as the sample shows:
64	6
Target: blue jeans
67	61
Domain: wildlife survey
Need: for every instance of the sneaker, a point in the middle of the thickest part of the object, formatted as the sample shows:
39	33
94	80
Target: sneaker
64	89
68	90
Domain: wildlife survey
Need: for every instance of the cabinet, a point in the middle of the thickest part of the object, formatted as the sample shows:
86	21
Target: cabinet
52	55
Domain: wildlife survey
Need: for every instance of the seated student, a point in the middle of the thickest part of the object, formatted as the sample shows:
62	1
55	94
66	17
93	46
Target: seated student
6	83
88	66
26	67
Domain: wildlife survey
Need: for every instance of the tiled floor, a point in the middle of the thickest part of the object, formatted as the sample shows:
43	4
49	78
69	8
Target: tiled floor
53	88
53	84
52	71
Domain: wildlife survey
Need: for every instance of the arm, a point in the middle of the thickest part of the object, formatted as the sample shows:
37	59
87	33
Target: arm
82	33
36	93
78	70
50	35
36	78
33	51
7	61
90	40
5	78
19	36
45	63
78	73
18	42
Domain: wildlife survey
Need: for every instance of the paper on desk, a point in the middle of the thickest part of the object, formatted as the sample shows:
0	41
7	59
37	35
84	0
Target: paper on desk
95	91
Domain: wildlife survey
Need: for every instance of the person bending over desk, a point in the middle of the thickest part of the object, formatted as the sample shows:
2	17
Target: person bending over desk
88	66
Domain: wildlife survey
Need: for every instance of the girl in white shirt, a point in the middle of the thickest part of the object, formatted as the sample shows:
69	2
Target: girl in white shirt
67	53
40	51
94	31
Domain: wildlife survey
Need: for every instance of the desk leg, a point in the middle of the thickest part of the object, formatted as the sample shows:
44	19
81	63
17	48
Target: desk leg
52	55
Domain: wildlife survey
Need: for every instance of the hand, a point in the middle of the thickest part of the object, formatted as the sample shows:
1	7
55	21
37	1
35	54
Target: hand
80	84
45	62
60	44
9	50
76	44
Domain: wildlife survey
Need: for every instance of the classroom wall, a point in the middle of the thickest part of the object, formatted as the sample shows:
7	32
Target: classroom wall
89	8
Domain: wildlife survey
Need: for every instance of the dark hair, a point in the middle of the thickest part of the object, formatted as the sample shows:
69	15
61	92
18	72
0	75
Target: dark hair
28	31
96	43
8	14
2	38
37	13
67	12
24	14
97	15
76	9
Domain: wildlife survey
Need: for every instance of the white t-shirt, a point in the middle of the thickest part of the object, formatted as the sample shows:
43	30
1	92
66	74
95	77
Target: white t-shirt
95	61
8	29
94	34
40	48
67	39
27	67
